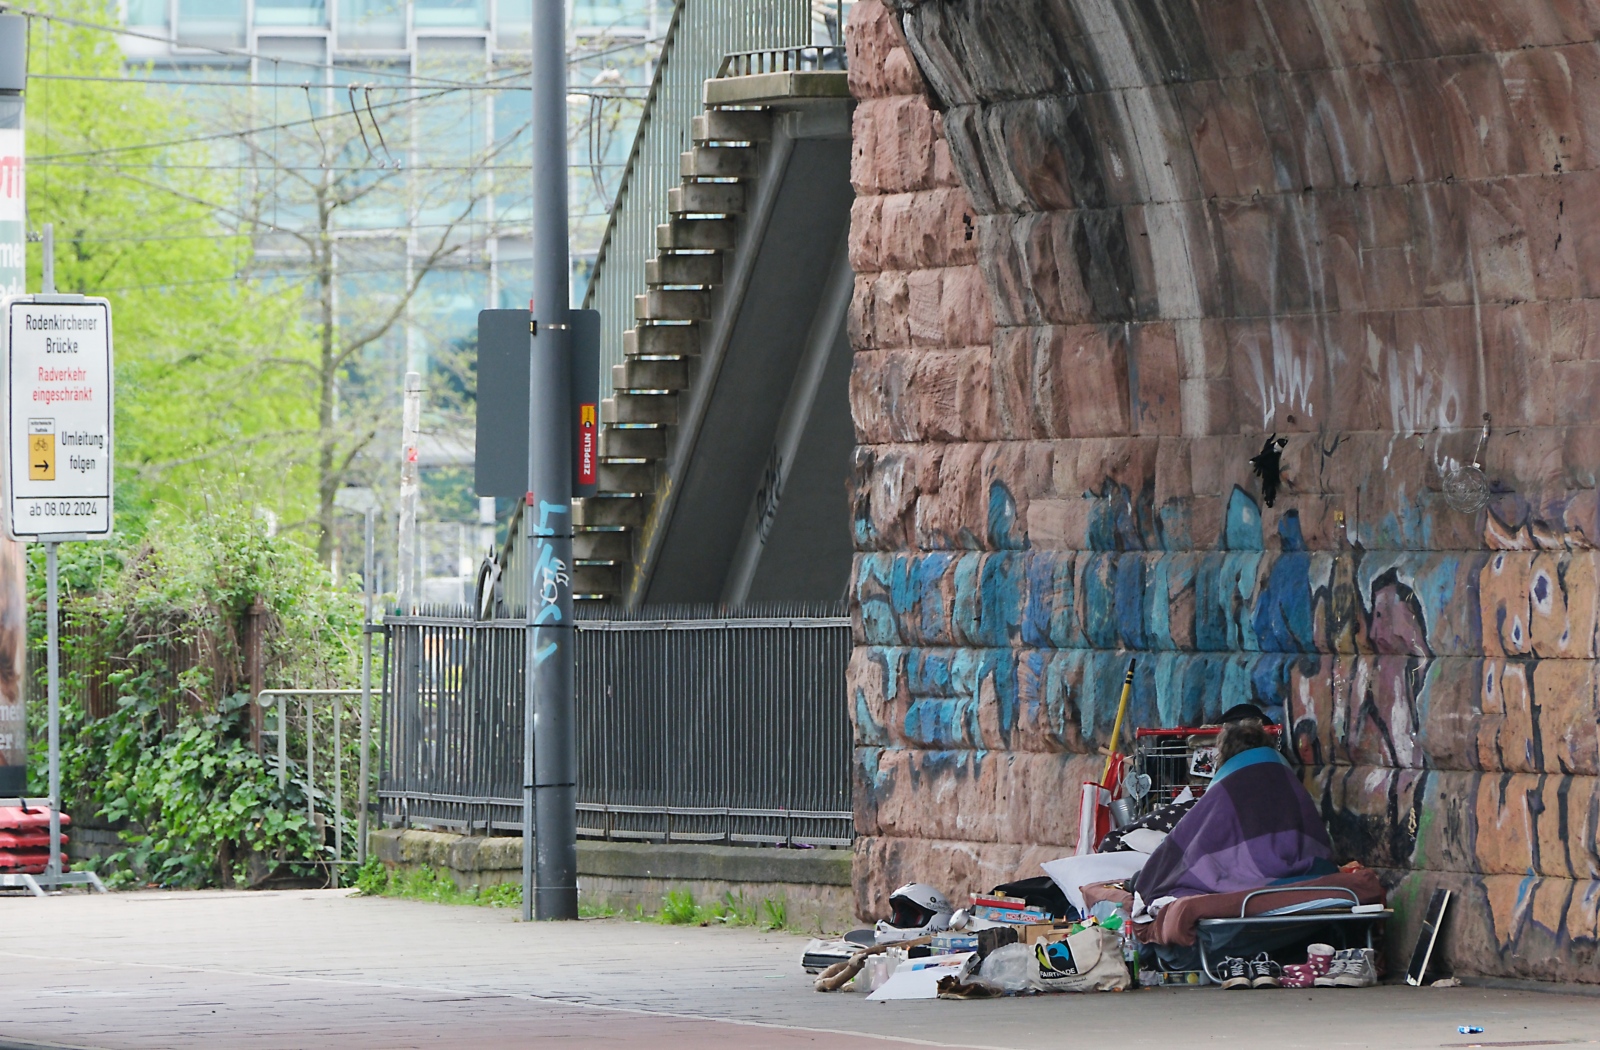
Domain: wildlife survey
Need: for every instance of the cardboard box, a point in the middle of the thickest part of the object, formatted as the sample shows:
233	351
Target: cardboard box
1010	916
1035	932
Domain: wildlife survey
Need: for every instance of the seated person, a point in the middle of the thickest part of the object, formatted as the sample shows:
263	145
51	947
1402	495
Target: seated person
1255	826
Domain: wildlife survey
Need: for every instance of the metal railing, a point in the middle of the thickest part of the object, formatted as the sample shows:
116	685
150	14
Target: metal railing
700	34
334	743
804	58
693	725
452	722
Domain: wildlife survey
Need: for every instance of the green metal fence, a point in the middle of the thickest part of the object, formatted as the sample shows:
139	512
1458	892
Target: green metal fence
700	34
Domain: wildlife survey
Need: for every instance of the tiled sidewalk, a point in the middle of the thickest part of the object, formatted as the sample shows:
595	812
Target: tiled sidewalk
323	969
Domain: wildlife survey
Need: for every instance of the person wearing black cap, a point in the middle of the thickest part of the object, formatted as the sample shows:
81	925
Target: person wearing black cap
1243	713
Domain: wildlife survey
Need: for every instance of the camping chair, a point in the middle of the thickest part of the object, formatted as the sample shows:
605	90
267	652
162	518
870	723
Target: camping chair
1284	926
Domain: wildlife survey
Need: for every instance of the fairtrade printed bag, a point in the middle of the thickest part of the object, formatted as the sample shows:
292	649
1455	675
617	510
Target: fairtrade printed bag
1090	961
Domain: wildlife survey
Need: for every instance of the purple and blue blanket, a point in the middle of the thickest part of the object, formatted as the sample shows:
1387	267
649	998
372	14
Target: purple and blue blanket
1254	826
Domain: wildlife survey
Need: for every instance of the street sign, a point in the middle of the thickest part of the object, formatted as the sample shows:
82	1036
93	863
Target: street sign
58	393
588	444
501	461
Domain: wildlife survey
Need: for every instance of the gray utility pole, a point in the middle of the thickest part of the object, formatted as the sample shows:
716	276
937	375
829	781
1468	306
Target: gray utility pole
367	677
52	871
410	487
549	795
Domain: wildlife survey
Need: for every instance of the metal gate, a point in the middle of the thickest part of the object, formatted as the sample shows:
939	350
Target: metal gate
693	725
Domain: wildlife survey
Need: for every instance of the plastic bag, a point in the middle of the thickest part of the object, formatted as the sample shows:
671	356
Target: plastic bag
1095	954
1012	968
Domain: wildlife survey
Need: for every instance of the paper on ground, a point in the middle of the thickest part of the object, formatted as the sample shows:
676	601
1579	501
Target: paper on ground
914	984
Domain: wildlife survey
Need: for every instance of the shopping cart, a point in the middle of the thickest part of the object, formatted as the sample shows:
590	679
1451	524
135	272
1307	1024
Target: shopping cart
1166	761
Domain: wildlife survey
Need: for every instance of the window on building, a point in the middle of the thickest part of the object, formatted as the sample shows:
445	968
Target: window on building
291	13
147	13
372	24
513	24
603	15
211	23
452	14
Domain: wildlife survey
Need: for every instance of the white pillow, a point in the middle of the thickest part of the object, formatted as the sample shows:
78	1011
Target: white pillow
1144	840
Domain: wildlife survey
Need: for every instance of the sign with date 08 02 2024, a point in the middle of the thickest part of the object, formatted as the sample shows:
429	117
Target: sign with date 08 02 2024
59	393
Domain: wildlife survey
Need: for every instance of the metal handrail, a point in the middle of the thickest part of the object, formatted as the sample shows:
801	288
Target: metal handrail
669	42
1355	901
798	58
265	698
699	35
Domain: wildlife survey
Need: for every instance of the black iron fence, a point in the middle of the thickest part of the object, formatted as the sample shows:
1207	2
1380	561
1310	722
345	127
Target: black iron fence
693	725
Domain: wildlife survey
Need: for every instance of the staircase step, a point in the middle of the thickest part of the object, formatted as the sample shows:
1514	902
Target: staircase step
732	125
634	374
697	234
662	340
675	304
627	477
633	443
608	510
706	198
596	579
602	545
684	269
640	408
718	162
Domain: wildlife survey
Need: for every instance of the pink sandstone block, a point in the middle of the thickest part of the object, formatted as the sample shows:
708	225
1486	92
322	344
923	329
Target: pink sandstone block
866	235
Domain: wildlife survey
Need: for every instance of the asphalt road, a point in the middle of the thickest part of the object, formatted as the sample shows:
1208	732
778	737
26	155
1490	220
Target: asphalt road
329	969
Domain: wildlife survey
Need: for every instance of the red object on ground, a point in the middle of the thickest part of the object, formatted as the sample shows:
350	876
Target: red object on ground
27	839
14	818
28	860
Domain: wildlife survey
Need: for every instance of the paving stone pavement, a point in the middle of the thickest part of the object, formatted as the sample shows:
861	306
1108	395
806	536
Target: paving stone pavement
328	969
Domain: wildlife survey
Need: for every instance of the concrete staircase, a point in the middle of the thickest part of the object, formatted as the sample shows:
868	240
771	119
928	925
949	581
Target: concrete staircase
662	349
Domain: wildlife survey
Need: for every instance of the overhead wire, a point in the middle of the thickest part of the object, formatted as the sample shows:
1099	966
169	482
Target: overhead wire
296	86
241	133
161	166
235	52
440	88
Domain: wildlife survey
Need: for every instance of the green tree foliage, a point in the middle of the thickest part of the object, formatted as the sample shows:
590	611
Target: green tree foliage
214	371
160	622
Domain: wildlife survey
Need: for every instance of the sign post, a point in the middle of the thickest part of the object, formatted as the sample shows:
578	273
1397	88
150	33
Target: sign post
58	384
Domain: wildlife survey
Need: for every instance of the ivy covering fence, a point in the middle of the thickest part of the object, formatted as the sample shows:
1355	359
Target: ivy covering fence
161	637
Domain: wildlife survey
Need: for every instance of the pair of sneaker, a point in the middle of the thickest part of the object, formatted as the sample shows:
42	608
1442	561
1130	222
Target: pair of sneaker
1351	968
1260	972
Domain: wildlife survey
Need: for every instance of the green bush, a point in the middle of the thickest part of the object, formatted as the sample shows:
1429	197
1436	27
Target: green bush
161	621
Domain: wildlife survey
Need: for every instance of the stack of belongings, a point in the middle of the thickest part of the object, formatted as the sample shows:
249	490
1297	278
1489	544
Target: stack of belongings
1255	828
25	839
1029	938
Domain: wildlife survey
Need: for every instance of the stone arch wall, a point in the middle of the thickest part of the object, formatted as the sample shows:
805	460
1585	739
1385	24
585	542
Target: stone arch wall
1104	251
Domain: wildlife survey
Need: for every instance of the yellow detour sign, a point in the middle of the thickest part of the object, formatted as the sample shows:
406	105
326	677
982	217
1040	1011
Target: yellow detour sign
41	450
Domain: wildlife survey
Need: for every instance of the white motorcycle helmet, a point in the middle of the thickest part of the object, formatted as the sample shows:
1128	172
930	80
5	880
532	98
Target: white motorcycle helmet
916	910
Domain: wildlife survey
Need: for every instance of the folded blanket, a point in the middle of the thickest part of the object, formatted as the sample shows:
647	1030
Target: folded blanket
1254	826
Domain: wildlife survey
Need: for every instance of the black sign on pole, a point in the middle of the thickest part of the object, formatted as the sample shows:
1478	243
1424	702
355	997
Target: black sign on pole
502	453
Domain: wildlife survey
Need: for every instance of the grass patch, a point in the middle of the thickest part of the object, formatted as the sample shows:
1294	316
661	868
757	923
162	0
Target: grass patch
678	907
373	879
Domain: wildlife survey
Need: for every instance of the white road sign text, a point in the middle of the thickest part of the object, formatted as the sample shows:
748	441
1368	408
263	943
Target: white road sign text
58	386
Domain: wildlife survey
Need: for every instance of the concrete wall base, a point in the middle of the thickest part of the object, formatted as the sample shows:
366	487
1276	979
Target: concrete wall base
813	886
